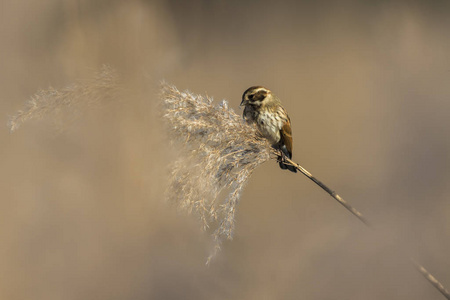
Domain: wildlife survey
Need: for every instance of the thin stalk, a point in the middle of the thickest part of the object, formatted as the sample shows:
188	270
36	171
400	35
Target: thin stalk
332	193
428	276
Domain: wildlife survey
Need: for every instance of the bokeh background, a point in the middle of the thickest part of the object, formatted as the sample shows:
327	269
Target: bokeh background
366	84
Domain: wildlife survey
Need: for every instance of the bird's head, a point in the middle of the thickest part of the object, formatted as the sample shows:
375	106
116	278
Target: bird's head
255	96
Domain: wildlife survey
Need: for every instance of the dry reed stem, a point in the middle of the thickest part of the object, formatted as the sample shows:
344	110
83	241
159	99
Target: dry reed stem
332	193
428	276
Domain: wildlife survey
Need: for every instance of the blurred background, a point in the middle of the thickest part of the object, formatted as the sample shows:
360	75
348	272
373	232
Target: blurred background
366	84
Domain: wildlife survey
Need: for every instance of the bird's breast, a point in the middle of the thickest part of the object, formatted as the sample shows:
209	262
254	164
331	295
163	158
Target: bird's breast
269	124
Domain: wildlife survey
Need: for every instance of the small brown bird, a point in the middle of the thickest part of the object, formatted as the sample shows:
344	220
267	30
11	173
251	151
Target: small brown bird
264	108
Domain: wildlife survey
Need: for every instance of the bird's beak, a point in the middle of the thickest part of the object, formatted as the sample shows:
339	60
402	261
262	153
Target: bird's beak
242	103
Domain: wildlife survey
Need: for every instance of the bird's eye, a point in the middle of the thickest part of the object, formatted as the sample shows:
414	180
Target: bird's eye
250	97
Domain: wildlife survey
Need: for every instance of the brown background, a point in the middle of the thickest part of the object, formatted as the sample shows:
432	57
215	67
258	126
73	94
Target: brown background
367	88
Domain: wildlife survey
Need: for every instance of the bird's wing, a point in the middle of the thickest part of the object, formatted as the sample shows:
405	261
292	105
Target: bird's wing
286	137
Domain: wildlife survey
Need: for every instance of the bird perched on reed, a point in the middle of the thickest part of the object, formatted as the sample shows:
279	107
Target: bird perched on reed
264	109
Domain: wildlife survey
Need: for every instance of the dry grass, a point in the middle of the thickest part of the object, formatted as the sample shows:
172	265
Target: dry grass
65	106
218	154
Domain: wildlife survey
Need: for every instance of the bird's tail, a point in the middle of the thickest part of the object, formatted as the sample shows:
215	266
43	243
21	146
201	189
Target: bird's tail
281	162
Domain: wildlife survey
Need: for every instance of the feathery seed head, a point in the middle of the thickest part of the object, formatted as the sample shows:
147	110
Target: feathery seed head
219	152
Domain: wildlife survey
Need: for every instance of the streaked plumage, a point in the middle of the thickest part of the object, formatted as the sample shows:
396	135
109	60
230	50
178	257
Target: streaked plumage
264	109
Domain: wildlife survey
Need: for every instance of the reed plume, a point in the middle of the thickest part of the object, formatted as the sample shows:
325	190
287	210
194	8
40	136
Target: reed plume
66	105
219	152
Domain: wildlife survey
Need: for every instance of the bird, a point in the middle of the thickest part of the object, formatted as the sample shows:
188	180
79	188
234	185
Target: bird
264	109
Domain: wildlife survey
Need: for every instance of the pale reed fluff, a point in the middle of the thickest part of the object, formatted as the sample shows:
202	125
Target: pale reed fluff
66	105
217	154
